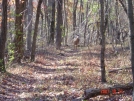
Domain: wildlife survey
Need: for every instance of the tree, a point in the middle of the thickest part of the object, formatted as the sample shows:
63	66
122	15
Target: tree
131	26
35	30
3	35
81	15
65	22
86	23
18	40
59	24
30	16
74	14
52	30
102	31
122	4
47	11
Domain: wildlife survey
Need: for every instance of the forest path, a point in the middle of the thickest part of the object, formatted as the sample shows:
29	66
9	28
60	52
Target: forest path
53	76
50	78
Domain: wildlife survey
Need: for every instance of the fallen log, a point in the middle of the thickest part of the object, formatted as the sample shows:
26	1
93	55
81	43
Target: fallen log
117	89
116	70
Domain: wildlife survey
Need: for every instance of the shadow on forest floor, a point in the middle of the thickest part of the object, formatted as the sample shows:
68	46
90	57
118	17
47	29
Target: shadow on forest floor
61	77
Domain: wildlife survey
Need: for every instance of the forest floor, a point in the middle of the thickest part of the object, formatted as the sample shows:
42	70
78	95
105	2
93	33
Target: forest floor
64	77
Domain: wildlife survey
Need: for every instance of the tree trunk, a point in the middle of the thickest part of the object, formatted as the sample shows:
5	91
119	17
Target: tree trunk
42	29
18	40
81	18
3	35
59	25
74	14
131	26
103	72
52	23
35	31
29	34
25	31
117	23
66	23
124	7
48	19
114	90
85	31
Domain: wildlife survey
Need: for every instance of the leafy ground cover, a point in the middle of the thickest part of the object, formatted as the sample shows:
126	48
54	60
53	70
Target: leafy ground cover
64	76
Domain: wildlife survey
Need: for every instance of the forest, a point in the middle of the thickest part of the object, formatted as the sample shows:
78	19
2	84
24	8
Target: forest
66	50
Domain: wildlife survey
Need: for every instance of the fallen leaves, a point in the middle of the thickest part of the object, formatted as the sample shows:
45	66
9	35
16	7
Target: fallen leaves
55	77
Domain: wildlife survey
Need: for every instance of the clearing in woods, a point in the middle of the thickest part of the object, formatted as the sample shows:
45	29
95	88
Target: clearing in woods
64	76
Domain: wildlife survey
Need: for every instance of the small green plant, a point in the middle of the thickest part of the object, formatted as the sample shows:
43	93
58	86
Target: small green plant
2	67
11	52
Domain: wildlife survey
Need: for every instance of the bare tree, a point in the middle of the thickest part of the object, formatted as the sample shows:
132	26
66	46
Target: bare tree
74	13
131	26
30	16
52	31
85	31
35	30
65	22
47	4
18	40
59	25
102	31
3	35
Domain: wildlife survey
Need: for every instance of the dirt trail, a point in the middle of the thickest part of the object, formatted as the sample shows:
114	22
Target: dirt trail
47	79
59	76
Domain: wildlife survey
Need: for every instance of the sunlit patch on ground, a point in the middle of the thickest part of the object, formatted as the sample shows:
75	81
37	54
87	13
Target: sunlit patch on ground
55	77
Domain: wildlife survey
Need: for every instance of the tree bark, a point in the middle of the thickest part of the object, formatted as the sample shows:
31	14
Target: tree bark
29	34
102	61
18	40
74	14
52	23
59	25
124	7
131	26
85	31
3	35
35	31
66	23
115	90
48	18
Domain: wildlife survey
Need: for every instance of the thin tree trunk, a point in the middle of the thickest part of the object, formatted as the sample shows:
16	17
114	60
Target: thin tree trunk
18	40
85	31
124	7
3	35
30	15
48	19
103	71
42	23
59	24
52	23
81	10
66	23
35	31
74	14
45	22
25	22
131	26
